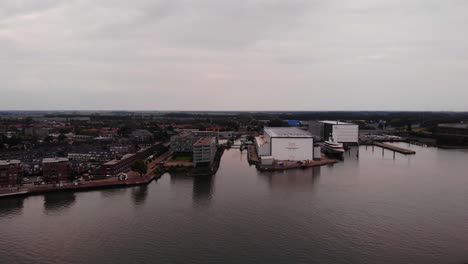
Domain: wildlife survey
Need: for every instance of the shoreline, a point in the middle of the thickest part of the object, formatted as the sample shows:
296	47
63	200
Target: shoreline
92	185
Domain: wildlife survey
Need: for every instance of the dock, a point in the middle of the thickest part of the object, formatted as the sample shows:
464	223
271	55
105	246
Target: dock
280	165
91	185
301	165
394	148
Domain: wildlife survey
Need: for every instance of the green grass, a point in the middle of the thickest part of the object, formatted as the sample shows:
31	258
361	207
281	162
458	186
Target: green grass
182	158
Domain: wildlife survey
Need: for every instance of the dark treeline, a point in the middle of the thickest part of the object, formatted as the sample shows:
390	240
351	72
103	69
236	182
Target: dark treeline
397	119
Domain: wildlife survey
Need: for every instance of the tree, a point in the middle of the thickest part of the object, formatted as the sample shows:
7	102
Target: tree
140	167
409	127
62	137
65	130
34	140
277	123
28	120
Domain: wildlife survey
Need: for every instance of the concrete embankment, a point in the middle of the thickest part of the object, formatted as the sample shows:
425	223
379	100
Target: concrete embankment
113	182
282	166
91	185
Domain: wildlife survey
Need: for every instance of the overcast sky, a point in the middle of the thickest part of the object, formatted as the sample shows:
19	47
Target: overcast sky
234	55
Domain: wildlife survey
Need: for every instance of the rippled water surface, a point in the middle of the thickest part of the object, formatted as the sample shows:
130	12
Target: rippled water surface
374	209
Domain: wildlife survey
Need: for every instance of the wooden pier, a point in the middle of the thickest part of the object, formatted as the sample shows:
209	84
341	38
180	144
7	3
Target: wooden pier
395	148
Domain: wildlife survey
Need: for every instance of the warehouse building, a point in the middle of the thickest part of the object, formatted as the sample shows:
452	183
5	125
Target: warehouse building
455	134
285	143
341	132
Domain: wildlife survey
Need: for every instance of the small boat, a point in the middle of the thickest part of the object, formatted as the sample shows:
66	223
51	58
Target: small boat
332	147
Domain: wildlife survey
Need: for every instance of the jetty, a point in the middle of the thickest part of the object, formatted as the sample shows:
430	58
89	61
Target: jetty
394	148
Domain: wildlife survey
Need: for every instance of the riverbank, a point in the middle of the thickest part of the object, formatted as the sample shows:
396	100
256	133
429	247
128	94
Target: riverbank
69	186
113	182
193	171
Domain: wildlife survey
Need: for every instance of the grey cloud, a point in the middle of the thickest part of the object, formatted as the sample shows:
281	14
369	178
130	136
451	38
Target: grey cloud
167	54
10	8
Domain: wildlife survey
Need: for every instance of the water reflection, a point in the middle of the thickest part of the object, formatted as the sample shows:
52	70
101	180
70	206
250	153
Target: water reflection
180	178
202	190
202	187
109	193
296	180
377	211
352	155
56	202
11	206
139	194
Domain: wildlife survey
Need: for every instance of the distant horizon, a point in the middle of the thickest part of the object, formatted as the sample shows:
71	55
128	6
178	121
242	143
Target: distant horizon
235	111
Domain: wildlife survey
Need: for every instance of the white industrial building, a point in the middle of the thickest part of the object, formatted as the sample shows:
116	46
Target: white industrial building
285	143
341	132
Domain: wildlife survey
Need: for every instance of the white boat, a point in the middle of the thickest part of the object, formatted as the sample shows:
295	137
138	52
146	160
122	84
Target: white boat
332	147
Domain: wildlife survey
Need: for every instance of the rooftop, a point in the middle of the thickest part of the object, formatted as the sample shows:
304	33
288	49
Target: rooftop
261	140
204	141
9	162
287	132
115	161
183	134
204	132
335	122
141	132
293	122
53	160
454	125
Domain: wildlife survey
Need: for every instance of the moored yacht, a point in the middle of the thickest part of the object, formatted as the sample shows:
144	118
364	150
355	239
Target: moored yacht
333	148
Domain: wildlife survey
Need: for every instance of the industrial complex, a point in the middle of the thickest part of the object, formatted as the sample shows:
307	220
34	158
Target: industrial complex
57	152
285	143
341	132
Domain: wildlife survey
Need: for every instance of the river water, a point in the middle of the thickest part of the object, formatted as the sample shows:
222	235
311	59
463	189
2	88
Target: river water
371	209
